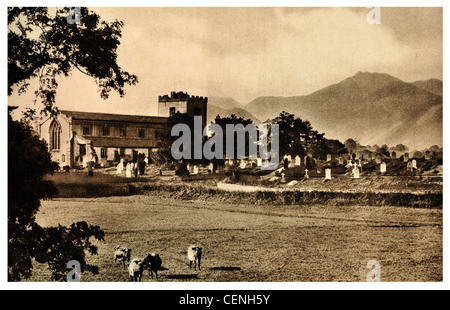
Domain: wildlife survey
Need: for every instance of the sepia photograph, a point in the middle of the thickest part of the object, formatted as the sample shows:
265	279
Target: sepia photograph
225	144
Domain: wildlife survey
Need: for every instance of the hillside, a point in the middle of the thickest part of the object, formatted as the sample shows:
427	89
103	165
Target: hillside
372	107
226	107
432	85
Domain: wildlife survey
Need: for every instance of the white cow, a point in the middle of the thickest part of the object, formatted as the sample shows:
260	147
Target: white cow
122	254
194	254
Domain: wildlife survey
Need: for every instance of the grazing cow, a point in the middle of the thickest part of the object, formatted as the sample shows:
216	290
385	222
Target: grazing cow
122	254
153	262
194	254
135	270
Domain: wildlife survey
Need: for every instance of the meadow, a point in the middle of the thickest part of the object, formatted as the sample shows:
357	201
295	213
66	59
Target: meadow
256	242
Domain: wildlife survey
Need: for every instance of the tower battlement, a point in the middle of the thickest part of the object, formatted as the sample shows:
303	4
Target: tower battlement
181	96
182	102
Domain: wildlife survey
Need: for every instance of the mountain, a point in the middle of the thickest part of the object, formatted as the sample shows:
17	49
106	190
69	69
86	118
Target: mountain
226	107
375	108
225	103
432	85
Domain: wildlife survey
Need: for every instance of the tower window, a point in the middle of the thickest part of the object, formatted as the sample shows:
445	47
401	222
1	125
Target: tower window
86	130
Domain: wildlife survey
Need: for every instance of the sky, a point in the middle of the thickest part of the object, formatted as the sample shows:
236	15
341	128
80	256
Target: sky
248	52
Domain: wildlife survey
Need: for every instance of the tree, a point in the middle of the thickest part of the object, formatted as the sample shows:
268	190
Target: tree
328	146
351	145
233	121
384	150
45	46
28	162
400	148
297	137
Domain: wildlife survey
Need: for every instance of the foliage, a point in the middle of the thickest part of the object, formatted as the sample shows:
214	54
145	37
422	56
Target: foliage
326	146
351	145
45	45
233	120
28	162
163	155
297	137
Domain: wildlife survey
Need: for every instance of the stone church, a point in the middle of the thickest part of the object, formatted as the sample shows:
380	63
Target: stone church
77	138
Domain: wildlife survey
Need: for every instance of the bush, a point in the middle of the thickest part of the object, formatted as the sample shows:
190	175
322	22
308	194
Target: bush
181	170
233	172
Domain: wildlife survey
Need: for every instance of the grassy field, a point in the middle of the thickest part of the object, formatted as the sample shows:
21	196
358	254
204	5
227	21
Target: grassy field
263	243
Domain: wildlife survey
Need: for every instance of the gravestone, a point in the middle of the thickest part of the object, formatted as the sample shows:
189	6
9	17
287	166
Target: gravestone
405	157
285	162
356	173
128	171
328	174
195	170
211	167
409	165
297	160
120	167
259	162
378	159
292	163
414	164
141	165
329	157
383	167
306	174
341	160
283	180
292	183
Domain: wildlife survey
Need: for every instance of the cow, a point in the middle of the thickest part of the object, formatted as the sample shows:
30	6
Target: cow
153	263
194	254
122	254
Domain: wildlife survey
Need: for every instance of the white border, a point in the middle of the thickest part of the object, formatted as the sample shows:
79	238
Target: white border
230	286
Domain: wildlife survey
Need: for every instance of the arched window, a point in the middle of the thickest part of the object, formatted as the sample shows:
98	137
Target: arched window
55	132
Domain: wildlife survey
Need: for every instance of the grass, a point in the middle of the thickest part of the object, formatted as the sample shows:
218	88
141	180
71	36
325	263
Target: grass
259	242
314	231
343	190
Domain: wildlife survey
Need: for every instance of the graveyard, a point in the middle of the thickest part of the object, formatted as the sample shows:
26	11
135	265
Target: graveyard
326	225
341	176
319	221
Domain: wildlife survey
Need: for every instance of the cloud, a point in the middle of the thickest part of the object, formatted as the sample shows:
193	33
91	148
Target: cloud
249	52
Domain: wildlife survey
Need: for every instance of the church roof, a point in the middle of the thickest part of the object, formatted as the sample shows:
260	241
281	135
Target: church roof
114	117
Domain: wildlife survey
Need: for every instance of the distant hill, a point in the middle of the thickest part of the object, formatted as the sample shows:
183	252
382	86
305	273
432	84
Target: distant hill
432	85
375	108
226	107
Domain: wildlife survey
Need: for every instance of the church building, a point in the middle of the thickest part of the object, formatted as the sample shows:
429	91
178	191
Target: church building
76	138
